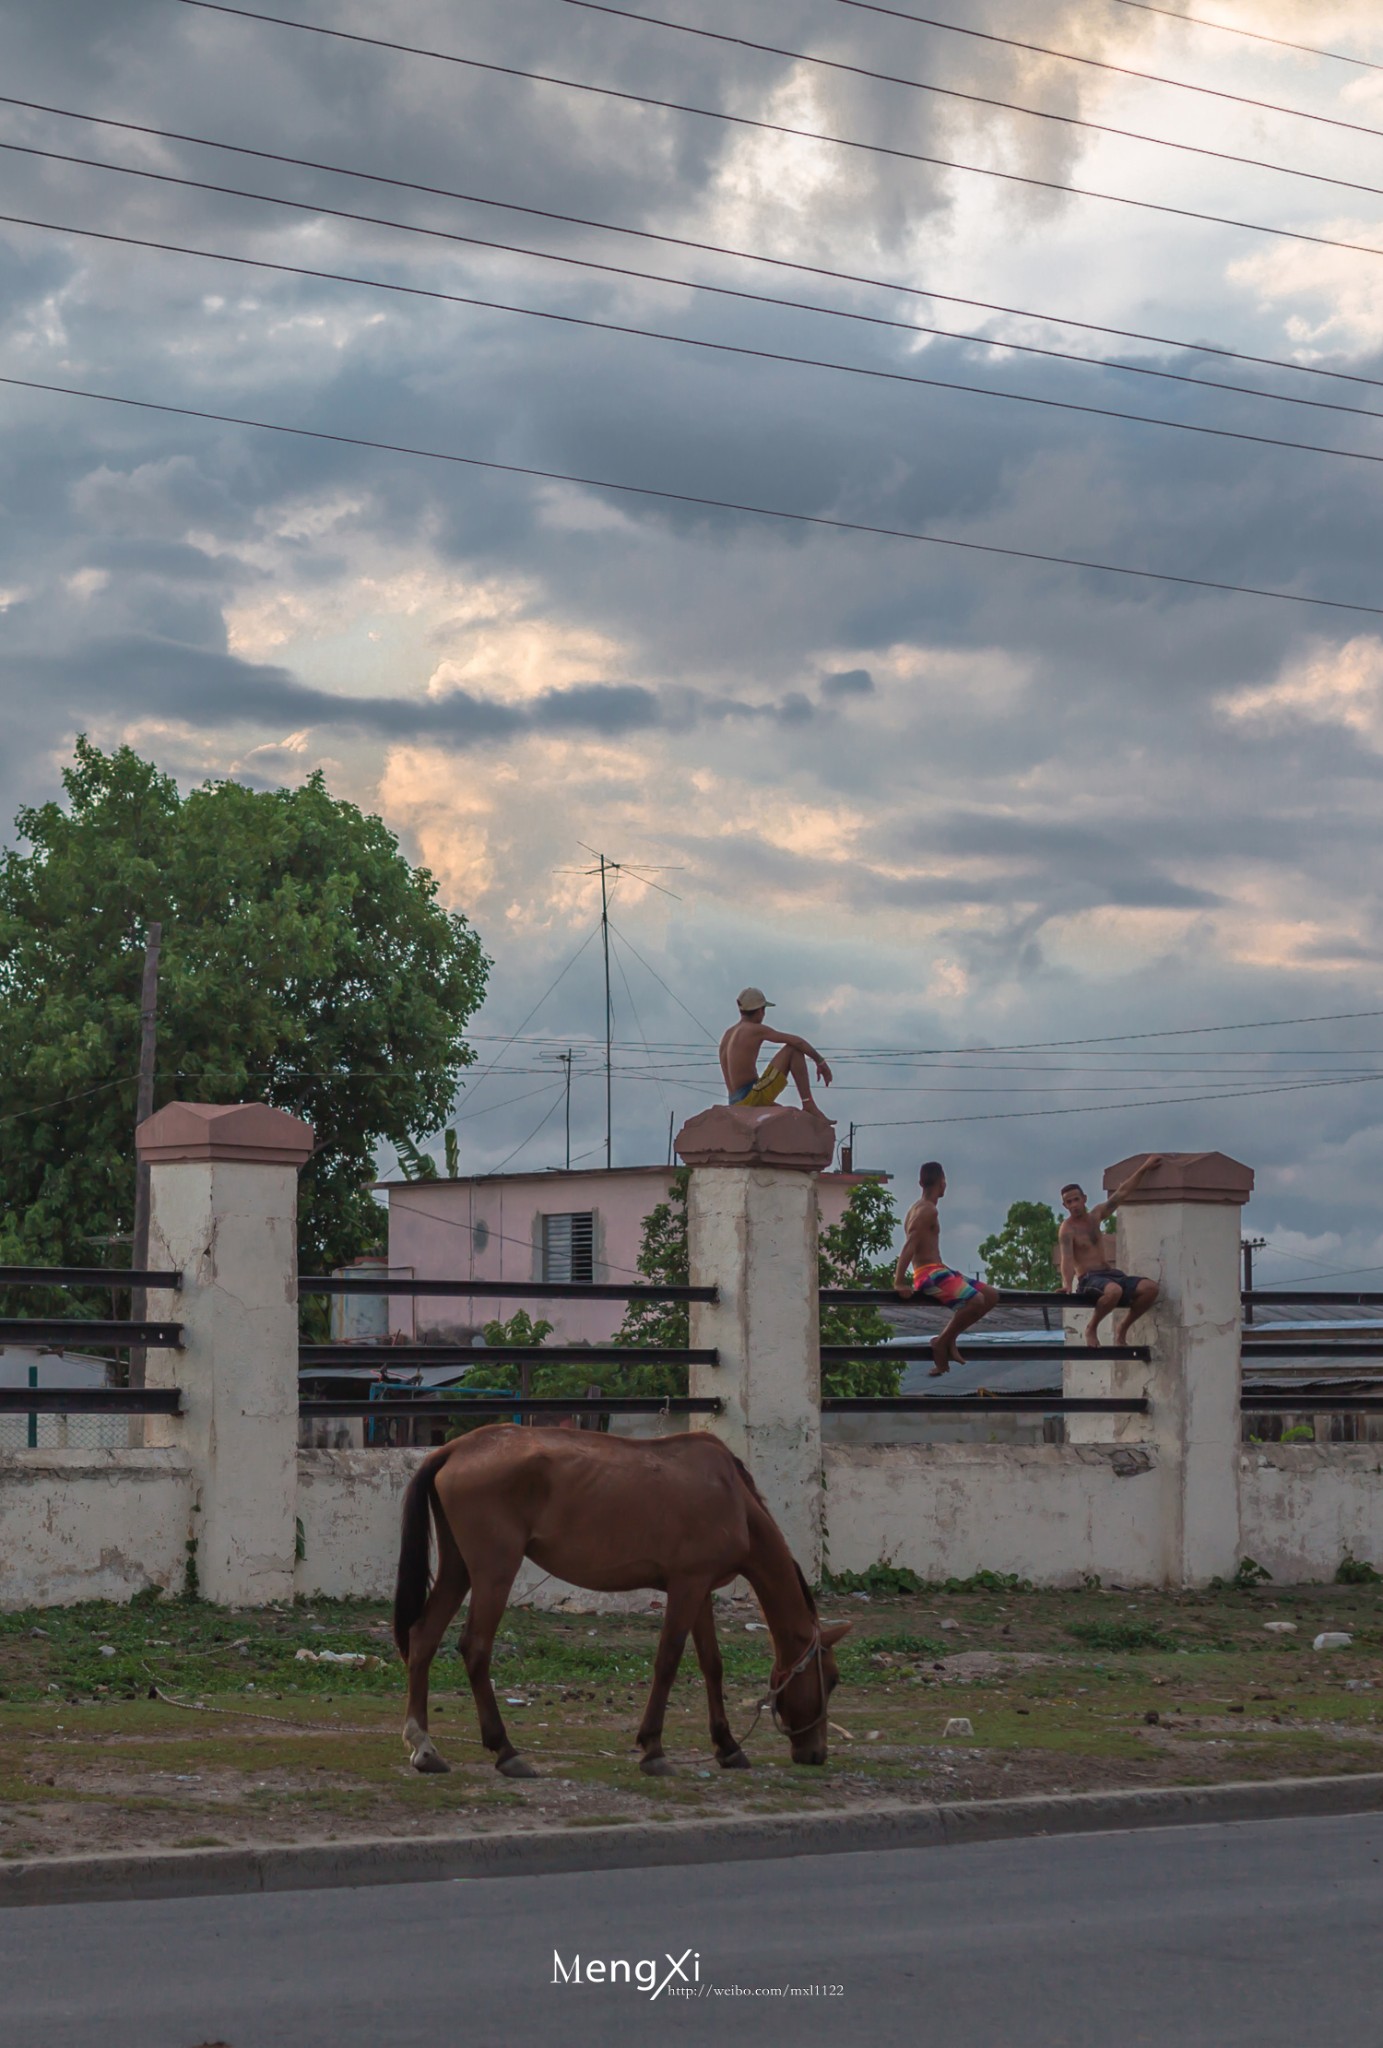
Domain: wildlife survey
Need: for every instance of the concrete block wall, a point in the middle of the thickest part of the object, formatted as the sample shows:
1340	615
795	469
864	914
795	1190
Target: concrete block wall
1171	1499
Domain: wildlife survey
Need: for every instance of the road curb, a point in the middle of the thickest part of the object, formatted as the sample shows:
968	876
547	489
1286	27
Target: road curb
274	1867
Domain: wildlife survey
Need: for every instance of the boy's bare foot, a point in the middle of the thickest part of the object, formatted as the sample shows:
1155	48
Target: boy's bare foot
941	1353
1092	1333
1121	1334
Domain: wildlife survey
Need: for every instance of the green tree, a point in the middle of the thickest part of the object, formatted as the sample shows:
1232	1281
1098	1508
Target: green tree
857	1252
305	963
1023	1253
848	1256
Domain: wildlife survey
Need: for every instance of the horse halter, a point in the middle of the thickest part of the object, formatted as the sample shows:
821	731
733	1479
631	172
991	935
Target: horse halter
775	1692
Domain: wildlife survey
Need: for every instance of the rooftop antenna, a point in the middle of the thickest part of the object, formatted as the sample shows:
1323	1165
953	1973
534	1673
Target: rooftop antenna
609	872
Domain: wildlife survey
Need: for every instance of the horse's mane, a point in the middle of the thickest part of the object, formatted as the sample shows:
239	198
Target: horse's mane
747	1476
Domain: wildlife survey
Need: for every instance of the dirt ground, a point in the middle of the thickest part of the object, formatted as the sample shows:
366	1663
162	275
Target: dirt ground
253	1741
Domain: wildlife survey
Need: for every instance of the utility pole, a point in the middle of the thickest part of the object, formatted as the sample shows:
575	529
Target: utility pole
1248	1246
144	1108
609	1013
606	870
566	1058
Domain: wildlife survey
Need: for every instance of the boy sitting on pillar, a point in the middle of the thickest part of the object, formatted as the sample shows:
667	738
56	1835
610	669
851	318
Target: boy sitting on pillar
739	1058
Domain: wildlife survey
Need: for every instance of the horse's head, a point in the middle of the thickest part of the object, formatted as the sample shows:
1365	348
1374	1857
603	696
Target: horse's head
801	1694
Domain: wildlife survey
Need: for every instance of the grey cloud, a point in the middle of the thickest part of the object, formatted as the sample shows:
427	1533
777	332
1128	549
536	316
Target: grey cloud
849	682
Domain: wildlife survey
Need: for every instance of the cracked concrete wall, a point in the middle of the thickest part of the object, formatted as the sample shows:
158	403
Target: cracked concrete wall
230	1228
752	1233
1050	1512
349	1504
1304	1505
92	1525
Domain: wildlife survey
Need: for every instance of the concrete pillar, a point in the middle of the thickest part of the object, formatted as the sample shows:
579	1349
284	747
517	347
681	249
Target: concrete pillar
224	1214
752	1234
1181	1228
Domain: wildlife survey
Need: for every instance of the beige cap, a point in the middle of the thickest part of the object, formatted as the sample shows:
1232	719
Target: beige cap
753	999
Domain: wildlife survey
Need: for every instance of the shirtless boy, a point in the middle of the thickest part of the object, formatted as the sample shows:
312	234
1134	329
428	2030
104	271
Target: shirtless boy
1085	1269
933	1281
739	1058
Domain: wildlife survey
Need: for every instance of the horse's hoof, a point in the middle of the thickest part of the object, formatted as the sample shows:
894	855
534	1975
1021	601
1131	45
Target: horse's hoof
429	1761
657	1767
736	1760
515	1767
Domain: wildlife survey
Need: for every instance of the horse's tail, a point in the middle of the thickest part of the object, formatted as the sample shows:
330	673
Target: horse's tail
414	1580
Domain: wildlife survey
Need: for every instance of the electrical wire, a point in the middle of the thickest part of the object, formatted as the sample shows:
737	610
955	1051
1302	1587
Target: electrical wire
954	28
884	149
61	1101
556	1100
555	983
649	968
1251	35
1100	1108
789	358
414	291
977	99
815	519
894	285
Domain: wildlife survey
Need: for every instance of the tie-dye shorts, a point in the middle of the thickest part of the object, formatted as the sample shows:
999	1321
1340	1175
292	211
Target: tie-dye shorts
943	1284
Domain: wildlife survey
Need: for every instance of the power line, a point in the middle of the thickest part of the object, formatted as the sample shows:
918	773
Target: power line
953	28
723	291
977	99
649	968
818	519
1100	1108
767	355
1252	35
553	984
884	149
894	285
791	358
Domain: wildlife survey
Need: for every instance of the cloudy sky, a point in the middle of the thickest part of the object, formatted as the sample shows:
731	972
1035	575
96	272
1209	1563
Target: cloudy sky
941	804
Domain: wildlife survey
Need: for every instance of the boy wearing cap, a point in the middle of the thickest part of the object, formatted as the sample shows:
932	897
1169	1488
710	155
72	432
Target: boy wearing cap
739	1057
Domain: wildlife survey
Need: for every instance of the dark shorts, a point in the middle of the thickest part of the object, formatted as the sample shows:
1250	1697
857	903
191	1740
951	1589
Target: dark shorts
1092	1285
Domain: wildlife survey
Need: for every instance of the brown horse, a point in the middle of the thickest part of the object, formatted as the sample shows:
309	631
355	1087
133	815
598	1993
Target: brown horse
681	1516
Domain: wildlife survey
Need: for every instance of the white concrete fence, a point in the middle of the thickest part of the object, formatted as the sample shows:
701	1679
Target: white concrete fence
220	1497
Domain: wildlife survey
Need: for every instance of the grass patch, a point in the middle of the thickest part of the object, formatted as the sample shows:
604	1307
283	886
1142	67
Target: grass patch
1120	1635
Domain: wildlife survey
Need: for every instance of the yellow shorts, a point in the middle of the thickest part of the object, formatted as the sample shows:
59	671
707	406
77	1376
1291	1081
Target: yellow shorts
762	1092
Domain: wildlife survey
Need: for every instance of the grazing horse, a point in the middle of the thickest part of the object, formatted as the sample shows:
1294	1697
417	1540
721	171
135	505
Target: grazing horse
681	1515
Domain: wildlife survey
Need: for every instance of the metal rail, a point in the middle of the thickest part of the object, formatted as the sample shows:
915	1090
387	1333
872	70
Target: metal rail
90	1401
1262	1401
399	1404
984	1347
85	1276
1319	1297
885	1297
71	1330
505	1290
1311	1347
381	1357
984	1404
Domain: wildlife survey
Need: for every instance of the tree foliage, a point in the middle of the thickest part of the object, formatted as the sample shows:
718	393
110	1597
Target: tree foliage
857	1252
1024	1253
304	963
848	1256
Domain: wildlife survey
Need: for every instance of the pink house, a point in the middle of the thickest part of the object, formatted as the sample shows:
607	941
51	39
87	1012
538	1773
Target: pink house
571	1226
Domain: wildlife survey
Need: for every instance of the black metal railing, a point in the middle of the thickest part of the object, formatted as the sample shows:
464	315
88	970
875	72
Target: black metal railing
983	1348
87	1276
371	1357
90	1401
64	1330
502	1290
435	1404
1026	1403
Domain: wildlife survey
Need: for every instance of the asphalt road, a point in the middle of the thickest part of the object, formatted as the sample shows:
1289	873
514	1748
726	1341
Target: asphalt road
1265	1933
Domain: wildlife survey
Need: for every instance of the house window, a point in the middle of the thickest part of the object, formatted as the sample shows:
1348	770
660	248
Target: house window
569	1248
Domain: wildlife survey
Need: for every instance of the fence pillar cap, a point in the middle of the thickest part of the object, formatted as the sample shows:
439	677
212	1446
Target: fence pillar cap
1185	1177
252	1132
730	1135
